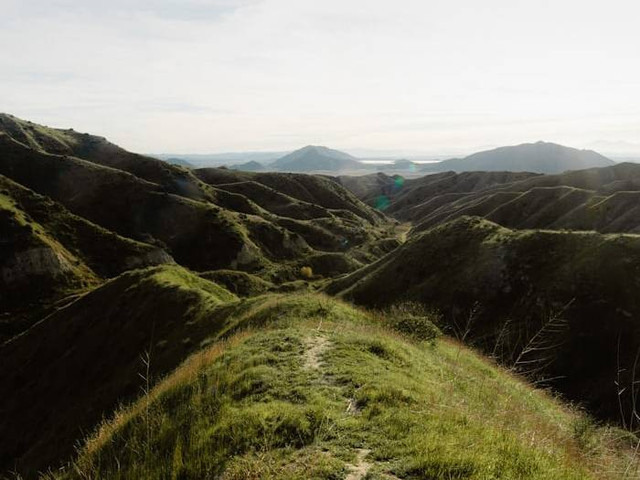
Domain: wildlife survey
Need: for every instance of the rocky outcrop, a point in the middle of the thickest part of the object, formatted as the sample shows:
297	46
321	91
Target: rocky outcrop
37	261
148	259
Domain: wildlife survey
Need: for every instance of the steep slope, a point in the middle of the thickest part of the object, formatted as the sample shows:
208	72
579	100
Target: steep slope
199	234
602	199
540	157
327	392
560	306
98	150
326	215
103	251
409	199
49	253
315	190
618	177
75	366
315	158
204	227
34	266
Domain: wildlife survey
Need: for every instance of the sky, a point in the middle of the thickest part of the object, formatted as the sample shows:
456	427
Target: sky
403	76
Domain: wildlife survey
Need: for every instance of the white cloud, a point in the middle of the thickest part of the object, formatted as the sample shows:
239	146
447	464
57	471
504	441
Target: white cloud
199	76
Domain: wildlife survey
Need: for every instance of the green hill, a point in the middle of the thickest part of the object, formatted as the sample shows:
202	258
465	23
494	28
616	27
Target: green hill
76	365
560	306
242	284
245	225
326	391
242	370
602	199
95	149
314	190
48	254
409	199
199	234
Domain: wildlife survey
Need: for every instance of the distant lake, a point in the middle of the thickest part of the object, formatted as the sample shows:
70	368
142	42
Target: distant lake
391	162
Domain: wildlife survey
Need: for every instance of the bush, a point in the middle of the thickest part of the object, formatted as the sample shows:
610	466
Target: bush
414	320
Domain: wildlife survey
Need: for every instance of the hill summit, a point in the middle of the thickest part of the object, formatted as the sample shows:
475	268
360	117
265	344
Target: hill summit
314	157
539	157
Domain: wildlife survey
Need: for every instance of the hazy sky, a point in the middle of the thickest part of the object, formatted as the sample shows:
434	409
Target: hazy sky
404	75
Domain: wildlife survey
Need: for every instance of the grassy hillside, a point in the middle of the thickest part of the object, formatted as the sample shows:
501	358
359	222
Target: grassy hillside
68	142
602	199
48	254
240	283
33	264
105	252
241	371
216	228
555	305
77	364
314	190
326	391
408	199
198	234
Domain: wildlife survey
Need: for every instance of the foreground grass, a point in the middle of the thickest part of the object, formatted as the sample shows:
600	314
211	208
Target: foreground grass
310	397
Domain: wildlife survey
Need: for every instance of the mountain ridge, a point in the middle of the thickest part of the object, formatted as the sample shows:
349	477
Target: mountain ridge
538	157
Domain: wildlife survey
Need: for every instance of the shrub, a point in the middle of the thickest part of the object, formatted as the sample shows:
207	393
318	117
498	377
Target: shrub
414	320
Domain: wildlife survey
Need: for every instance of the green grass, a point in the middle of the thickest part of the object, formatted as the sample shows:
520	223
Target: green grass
105	252
301	396
498	287
241	283
24	236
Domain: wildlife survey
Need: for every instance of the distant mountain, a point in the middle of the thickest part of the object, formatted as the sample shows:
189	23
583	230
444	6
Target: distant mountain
314	158
251	166
179	161
404	164
202	160
540	157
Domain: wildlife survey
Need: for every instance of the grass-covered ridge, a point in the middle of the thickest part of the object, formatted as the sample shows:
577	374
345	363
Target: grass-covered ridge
48	254
498	288
317	389
603	199
248	225
84	359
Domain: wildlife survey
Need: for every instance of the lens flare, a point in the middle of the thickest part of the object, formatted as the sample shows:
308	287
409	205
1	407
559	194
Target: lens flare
382	202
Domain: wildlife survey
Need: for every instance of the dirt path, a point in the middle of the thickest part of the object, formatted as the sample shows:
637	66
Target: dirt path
316	346
359	471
